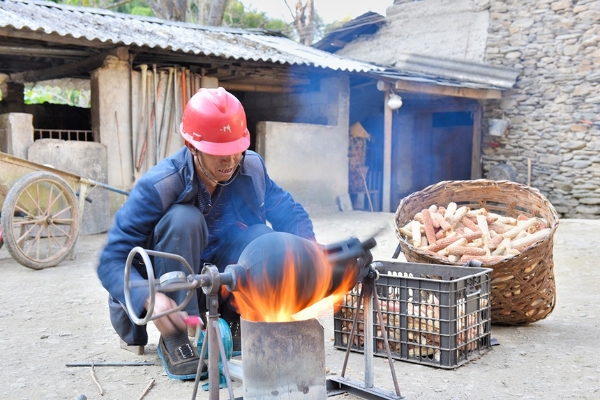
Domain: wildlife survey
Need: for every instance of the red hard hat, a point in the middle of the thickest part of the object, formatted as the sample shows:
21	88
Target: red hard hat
214	122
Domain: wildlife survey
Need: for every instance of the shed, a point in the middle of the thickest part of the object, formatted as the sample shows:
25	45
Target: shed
437	134
300	101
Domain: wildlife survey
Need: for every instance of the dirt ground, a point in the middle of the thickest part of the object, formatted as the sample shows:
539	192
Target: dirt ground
59	315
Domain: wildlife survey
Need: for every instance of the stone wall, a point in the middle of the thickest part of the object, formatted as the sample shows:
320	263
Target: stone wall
553	138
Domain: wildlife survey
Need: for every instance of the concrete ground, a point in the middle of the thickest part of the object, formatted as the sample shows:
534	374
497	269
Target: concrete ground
52	317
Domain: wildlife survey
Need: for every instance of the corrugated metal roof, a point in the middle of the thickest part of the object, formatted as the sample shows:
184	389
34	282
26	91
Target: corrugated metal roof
129	30
449	72
463	71
84	24
365	24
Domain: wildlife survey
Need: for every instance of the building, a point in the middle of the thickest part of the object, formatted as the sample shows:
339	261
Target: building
300	101
544	131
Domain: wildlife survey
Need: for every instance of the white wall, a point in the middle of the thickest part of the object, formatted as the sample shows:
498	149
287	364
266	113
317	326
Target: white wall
309	161
456	29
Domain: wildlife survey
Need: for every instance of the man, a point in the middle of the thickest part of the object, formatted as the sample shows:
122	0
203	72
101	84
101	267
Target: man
204	203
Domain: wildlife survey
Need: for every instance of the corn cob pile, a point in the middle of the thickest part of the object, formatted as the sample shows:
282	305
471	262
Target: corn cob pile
460	234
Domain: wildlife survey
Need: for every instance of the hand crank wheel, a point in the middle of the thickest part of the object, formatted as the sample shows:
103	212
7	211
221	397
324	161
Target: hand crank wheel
40	220
172	281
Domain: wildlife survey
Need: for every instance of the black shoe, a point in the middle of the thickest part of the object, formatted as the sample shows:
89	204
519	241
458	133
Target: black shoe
178	356
236	333
237	337
230	315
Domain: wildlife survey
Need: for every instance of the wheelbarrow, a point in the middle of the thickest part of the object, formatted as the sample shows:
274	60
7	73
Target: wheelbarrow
41	210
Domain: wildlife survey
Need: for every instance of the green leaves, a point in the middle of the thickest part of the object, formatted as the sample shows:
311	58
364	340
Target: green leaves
35	94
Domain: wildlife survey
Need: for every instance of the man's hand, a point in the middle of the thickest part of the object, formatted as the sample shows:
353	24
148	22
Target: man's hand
169	324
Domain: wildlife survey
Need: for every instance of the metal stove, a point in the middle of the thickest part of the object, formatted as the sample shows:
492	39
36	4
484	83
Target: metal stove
281	360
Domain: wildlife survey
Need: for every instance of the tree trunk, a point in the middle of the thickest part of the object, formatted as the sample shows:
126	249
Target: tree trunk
217	11
174	10
304	21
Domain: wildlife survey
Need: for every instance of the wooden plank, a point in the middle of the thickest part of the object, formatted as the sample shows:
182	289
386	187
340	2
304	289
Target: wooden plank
476	154
422	87
69	69
248	87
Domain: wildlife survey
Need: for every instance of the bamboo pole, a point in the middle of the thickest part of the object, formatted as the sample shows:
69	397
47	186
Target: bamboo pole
142	141
165	122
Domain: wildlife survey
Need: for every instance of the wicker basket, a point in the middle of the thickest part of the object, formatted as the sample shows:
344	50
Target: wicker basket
523	286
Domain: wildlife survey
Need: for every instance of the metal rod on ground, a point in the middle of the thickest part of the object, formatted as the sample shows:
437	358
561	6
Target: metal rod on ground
111	364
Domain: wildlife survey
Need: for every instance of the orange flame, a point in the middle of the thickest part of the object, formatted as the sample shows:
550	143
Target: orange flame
282	301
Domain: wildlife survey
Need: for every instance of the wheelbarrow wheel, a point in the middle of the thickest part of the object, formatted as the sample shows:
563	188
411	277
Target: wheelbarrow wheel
40	220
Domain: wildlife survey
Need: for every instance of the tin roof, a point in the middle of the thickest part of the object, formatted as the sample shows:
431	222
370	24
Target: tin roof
111	28
76	32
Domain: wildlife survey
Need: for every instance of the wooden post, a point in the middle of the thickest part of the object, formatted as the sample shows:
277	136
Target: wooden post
476	151
387	155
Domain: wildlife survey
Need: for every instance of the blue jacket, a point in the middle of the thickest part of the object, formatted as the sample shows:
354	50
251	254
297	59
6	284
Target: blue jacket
254	199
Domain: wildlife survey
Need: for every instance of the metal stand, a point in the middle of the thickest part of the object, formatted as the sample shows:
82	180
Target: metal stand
213	341
366	389
210	280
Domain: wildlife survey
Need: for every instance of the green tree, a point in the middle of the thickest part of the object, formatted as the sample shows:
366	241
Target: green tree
235	13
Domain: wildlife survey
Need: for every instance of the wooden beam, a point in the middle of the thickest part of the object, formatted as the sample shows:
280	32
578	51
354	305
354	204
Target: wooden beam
430	88
248	87
55	39
69	69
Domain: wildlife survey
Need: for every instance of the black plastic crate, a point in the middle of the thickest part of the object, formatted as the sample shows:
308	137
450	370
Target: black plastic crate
434	315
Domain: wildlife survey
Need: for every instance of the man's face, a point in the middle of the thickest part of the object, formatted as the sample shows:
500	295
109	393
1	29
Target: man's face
220	168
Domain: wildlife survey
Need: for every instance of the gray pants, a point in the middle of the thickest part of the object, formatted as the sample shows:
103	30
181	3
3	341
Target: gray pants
182	230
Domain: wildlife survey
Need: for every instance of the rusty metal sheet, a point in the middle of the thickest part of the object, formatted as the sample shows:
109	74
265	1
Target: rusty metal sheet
283	360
